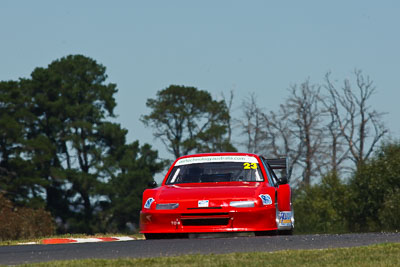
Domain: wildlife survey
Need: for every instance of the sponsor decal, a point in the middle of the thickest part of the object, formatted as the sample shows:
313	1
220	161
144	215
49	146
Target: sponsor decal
202	203
266	199
285	218
147	205
194	160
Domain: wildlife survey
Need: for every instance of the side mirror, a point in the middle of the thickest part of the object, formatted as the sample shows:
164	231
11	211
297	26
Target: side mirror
283	180
152	184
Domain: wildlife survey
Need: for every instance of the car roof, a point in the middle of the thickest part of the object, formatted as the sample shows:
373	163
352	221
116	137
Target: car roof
219	154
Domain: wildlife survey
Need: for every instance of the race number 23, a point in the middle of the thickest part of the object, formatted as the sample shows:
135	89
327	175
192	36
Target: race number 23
248	166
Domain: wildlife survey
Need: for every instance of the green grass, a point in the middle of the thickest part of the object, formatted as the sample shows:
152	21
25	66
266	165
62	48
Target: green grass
37	240
375	255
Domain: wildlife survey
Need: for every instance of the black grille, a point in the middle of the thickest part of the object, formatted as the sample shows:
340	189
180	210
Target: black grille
206	208
205	222
206	214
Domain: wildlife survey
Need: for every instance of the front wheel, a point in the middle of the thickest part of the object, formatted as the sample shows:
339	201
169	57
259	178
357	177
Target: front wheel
265	233
165	236
152	236
286	232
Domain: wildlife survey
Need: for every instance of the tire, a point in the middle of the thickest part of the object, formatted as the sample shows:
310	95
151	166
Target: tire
265	233
165	236
152	236
286	232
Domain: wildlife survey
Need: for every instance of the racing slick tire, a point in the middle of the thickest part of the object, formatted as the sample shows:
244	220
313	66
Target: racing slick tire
265	233
165	236
286	232
153	236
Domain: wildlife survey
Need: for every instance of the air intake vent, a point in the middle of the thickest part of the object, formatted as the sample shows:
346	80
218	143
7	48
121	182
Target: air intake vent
206	214
205	222
205	208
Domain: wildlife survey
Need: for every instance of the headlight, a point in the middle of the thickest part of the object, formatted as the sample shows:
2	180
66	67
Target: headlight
242	204
168	206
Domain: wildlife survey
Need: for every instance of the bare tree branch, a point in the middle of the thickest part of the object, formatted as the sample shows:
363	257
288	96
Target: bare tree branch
354	116
251	125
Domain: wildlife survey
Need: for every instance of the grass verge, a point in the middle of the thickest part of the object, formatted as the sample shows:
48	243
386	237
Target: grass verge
375	255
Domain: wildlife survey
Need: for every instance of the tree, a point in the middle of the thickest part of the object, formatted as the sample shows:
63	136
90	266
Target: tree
18	180
374	190
271	134
355	117
294	131
71	102
321	208
137	166
229	104
336	151
252	125
60	151
281	137
304	104
188	120
74	146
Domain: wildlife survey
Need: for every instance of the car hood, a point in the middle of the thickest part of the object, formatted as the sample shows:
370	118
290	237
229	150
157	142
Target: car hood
217	193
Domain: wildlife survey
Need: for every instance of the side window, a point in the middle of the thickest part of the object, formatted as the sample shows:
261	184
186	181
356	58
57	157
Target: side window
270	174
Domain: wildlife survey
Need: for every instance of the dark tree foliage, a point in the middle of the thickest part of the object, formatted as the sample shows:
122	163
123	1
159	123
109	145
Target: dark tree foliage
375	192
19	181
369	202
321	208
188	120
71	102
136	165
59	148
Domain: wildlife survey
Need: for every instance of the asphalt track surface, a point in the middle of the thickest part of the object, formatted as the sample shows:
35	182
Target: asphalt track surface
12	255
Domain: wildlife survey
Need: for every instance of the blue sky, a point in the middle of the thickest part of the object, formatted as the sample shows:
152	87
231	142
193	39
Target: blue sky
245	46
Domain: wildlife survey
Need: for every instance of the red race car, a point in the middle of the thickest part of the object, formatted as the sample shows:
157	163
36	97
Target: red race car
219	192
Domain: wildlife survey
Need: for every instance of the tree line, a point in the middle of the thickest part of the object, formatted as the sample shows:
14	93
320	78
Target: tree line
345	178
322	128
367	201
60	150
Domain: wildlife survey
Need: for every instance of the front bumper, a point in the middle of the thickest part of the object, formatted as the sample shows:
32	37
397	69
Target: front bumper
208	220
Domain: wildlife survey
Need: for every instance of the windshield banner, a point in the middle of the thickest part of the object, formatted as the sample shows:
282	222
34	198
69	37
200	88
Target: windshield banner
209	159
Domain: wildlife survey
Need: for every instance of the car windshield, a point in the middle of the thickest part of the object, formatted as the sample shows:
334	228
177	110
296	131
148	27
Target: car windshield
215	172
